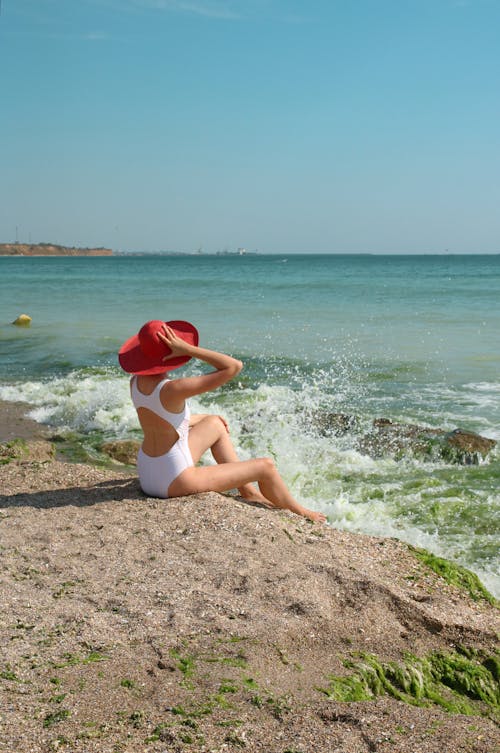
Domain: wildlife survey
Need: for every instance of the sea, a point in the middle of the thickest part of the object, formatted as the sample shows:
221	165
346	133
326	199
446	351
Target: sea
414	339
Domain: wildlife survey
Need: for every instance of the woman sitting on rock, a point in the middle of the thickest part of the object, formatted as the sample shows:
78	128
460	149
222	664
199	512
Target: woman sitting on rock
175	440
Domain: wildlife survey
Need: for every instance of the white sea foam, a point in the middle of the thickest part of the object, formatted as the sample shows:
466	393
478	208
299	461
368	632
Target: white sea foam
78	402
484	386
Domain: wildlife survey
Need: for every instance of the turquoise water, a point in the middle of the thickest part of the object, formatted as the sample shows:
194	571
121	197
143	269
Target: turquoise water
413	339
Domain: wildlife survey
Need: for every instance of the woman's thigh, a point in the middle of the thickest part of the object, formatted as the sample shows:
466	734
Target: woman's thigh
204	435
216	478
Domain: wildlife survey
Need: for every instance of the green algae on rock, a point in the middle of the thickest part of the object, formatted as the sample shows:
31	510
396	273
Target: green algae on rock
25	450
454	574
462	682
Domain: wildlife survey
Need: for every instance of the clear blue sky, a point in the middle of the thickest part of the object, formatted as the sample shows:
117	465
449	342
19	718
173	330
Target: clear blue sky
281	125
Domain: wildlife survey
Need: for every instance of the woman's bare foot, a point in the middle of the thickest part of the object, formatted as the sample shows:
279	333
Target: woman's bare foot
316	517
252	494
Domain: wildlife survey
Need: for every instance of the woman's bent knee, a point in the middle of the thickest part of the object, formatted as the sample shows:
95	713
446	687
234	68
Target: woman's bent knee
268	465
216	424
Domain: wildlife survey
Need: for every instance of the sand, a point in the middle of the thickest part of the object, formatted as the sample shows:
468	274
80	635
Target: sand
208	624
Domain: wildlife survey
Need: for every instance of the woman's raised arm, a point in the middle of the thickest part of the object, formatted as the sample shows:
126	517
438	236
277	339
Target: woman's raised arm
226	367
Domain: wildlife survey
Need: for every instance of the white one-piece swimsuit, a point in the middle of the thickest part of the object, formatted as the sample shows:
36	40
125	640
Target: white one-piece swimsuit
157	473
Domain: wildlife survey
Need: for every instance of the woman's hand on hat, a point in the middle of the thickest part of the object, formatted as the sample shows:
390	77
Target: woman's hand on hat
177	346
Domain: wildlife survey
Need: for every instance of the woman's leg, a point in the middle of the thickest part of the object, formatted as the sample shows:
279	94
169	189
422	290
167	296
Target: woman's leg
220	478
211	433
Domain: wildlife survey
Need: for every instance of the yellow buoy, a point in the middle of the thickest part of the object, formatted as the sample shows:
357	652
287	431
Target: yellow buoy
23	320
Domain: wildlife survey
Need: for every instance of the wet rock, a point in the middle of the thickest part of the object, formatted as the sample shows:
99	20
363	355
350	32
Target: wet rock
398	440
122	450
466	446
334	424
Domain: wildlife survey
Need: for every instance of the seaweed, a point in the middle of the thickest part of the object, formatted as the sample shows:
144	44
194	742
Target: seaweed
455	575
462	682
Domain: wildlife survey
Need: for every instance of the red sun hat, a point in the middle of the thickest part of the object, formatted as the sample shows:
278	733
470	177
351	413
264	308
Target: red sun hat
144	353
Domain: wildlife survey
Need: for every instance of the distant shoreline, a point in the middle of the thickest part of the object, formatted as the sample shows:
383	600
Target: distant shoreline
50	249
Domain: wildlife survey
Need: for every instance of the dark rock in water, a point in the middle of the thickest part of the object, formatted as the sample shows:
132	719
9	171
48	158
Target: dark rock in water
123	450
398	440
469	448
334	424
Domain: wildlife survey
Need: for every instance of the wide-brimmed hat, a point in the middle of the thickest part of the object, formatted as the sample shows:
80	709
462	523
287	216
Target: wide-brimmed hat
144	352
